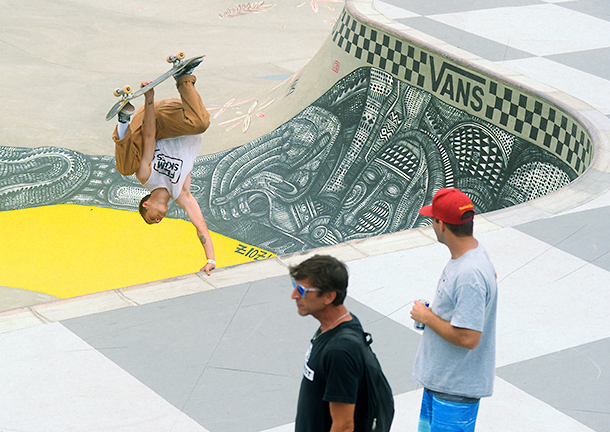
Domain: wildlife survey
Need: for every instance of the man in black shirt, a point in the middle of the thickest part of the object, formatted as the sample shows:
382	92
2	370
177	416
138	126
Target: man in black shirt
333	377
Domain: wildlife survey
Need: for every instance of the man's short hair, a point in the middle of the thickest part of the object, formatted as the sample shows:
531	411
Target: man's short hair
325	273
143	209
465	229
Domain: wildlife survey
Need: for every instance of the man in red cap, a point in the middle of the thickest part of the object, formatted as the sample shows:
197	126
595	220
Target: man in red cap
455	361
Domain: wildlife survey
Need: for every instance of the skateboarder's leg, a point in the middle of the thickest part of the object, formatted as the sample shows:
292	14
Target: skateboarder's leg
121	130
194	111
128	145
190	117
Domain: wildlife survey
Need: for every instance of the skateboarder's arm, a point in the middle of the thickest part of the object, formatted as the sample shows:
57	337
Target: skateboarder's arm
188	202
148	136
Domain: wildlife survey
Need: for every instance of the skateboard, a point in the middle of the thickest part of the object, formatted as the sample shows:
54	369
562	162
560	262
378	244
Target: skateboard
126	93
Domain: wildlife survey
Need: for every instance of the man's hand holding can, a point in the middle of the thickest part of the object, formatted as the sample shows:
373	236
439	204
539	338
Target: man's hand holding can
419	308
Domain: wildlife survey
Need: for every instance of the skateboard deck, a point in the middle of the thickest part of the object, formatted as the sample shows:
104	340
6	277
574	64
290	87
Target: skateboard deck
128	95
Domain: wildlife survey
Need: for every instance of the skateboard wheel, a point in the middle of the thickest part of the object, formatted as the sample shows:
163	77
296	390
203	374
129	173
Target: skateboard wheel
122	91
180	55
169	59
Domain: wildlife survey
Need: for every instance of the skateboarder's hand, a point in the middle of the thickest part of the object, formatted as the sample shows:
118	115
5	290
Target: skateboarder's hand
208	267
150	94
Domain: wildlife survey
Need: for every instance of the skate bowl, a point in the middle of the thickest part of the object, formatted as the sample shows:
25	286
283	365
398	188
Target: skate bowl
355	143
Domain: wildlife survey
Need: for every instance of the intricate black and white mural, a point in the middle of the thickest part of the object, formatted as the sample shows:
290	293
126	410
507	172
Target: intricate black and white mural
358	162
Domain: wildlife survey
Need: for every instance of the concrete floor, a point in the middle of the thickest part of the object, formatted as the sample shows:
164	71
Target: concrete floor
225	353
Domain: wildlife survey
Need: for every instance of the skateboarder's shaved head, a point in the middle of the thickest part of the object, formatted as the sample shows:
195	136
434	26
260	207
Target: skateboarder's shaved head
143	210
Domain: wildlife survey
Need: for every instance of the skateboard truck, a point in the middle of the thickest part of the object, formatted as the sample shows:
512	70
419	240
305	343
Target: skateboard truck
125	91
174	59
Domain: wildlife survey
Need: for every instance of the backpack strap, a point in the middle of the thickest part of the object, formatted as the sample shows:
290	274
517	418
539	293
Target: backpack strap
368	338
378	410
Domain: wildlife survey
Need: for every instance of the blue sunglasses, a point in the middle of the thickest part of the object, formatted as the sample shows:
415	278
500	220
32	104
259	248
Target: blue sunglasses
302	289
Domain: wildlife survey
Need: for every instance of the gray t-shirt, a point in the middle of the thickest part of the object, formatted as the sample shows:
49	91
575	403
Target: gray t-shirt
466	296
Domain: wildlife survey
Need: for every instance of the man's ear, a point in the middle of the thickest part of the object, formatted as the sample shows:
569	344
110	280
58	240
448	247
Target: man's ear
330	297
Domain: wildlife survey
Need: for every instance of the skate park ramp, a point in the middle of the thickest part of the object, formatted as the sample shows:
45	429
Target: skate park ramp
327	151
59	182
348	147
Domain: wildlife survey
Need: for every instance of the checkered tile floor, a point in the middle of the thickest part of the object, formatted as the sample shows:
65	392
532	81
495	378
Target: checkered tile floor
230	359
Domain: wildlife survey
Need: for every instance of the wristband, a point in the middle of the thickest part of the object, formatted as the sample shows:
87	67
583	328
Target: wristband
211	262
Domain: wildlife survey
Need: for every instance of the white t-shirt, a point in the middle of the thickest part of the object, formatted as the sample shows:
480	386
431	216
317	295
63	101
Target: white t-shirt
172	163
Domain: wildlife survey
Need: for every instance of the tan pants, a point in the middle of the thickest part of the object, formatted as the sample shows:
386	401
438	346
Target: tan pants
174	117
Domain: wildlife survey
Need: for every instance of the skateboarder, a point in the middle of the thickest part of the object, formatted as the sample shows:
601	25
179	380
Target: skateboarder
160	147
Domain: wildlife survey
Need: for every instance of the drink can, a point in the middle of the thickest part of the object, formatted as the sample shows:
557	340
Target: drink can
418	325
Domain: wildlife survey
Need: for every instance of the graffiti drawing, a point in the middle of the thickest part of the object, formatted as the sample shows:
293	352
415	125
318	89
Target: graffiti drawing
255	109
358	162
314	4
245	9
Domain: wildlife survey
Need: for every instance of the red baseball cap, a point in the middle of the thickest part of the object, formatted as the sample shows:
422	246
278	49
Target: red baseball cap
448	205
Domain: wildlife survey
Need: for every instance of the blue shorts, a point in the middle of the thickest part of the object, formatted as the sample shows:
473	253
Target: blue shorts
439	415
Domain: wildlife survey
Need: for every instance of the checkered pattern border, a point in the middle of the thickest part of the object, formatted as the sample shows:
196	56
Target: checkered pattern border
515	111
541	123
380	50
